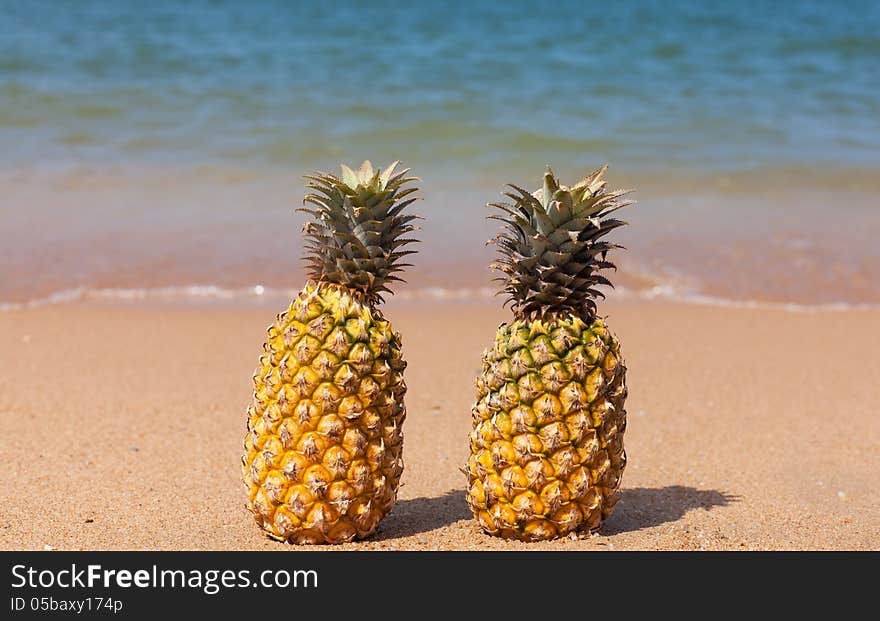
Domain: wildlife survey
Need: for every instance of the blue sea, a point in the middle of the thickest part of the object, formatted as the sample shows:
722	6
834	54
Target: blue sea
160	146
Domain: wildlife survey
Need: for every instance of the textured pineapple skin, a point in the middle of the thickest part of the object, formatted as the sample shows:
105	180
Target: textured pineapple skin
547	450
323	449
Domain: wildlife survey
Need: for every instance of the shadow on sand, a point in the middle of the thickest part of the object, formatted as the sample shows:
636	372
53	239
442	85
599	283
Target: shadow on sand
420	515
644	507
638	508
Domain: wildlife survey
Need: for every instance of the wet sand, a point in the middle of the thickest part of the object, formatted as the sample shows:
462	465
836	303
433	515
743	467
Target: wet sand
748	429
110	231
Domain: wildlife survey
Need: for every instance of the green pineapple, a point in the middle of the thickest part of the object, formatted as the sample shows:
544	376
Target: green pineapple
547	450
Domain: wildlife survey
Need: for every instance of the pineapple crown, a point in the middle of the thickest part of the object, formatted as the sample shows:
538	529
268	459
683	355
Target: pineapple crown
358	229
551	245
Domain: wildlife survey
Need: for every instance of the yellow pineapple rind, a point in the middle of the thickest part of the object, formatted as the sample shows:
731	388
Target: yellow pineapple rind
323	448
547	450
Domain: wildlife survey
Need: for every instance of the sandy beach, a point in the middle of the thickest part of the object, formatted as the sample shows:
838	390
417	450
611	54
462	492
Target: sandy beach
748	429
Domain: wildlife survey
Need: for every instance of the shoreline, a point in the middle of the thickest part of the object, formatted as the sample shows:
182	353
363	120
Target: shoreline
737	236
748	428
261	296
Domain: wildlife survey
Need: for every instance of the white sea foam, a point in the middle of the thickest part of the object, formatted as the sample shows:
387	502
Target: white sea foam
260	293
670	293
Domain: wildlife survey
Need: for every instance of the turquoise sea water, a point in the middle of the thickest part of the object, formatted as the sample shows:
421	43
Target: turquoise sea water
158	143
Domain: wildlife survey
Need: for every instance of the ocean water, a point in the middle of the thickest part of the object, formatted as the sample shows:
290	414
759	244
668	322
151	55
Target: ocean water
161	146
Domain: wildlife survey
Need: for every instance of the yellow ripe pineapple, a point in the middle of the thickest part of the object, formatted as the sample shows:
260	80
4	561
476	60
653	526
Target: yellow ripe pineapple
323	449
547	442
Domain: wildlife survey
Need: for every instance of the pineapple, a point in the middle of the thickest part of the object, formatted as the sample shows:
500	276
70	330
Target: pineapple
547	452
323	449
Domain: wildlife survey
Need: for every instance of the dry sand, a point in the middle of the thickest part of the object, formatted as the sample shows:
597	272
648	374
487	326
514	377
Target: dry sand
748	429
